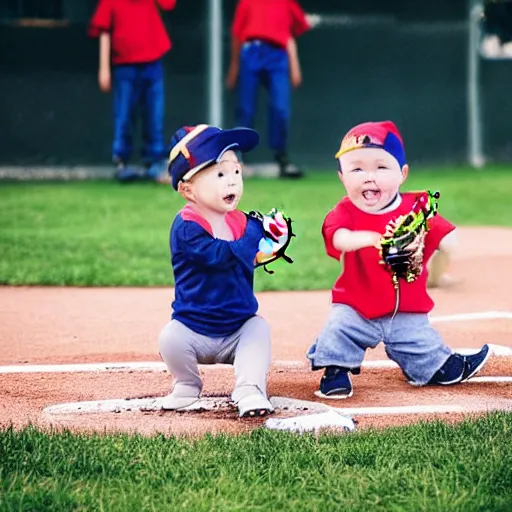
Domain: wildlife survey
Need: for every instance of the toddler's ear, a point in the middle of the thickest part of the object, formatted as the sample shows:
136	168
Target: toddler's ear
185	189
405	172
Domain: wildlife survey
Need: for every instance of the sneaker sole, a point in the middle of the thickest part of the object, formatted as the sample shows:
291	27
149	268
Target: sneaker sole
256	413
319	394
478	368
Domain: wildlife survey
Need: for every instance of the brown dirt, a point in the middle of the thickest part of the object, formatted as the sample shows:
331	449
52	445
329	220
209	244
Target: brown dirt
72	325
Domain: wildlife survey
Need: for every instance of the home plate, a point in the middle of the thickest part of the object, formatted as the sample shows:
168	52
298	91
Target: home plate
155	404
134	404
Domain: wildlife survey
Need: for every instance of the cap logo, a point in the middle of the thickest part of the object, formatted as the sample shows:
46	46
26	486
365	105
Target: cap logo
181	147
355	142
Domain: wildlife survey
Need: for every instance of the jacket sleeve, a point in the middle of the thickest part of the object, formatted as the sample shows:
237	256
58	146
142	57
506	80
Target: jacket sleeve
205	250
102	19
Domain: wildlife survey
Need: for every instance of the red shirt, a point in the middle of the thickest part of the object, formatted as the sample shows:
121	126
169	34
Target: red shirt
364	284
137	30
274	21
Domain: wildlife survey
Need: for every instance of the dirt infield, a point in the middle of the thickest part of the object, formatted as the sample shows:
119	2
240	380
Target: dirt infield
53	326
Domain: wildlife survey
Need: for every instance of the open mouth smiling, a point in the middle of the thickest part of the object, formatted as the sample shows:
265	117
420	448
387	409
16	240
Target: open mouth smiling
371	195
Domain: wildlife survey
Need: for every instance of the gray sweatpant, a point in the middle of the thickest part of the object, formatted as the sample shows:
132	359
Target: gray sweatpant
409	339
248	349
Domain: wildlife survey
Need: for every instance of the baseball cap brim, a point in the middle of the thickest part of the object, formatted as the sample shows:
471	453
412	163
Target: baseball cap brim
241	139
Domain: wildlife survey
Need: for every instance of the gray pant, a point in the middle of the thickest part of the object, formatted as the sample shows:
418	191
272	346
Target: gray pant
409	339
248	349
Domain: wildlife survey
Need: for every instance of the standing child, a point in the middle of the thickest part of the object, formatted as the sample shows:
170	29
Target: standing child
214	246
366	307
264	51
133	37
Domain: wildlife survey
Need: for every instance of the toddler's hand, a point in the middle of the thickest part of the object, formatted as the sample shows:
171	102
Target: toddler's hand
295	77
231	77
104	80
376	238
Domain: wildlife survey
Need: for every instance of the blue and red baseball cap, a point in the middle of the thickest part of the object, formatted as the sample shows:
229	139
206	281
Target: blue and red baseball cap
381	134
195	147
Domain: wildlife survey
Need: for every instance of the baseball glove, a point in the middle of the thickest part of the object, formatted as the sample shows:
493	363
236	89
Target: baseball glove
278	234
401	246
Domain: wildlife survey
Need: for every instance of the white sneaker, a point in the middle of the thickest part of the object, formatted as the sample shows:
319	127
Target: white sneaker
173	403
254	405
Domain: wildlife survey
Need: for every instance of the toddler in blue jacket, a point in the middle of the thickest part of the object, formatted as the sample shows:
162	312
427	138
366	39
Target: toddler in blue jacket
213	250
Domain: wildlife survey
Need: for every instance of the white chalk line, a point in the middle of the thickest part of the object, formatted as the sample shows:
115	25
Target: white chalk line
150	366
155	367
481	315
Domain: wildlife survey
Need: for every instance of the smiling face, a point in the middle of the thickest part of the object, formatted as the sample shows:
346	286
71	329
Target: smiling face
218	188
372	177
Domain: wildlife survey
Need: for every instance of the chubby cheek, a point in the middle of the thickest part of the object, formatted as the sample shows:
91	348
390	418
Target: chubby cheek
353	184
208	196
390	186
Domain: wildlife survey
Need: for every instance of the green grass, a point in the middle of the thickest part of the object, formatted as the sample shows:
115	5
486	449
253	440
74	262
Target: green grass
430	467
103	233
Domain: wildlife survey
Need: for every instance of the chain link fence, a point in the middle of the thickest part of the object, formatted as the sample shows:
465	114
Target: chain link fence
365	62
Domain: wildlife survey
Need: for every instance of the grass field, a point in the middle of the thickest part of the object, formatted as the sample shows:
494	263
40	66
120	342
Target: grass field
430	467
103	233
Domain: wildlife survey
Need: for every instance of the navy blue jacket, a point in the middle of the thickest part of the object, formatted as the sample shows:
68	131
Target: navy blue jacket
214	278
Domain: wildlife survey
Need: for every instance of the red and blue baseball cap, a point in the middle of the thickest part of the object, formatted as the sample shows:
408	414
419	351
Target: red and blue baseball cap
382	134
195	147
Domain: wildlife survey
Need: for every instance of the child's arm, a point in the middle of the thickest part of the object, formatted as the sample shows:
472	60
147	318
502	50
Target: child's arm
242	13
339	235
104	76
345	240
166	5
232	75
100	26
294	63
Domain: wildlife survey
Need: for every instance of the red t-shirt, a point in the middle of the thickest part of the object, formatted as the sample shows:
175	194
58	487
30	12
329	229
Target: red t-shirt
274	21
137	30
364	284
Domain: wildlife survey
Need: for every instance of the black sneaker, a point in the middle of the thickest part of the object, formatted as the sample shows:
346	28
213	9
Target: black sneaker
286	168
473	363
335	383
451	372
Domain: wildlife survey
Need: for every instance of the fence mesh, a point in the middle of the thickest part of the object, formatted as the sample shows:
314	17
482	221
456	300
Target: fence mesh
369	63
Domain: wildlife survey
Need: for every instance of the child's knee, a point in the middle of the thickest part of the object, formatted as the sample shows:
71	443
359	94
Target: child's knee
437	268
172	342
260	329
439	263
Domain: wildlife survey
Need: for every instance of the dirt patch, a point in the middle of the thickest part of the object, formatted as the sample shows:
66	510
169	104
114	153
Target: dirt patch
78	325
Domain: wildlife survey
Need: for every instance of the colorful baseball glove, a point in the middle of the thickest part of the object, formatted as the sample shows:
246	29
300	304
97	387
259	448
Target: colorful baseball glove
401	246
278	234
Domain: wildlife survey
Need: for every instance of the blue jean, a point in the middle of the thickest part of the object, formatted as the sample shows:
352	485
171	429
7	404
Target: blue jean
139	88
409	338
262	63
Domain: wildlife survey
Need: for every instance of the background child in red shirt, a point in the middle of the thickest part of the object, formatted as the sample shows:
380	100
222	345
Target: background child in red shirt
264	52
133	38
364	311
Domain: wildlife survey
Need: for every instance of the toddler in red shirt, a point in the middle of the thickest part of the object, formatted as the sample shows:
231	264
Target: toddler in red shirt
133	37
364	311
